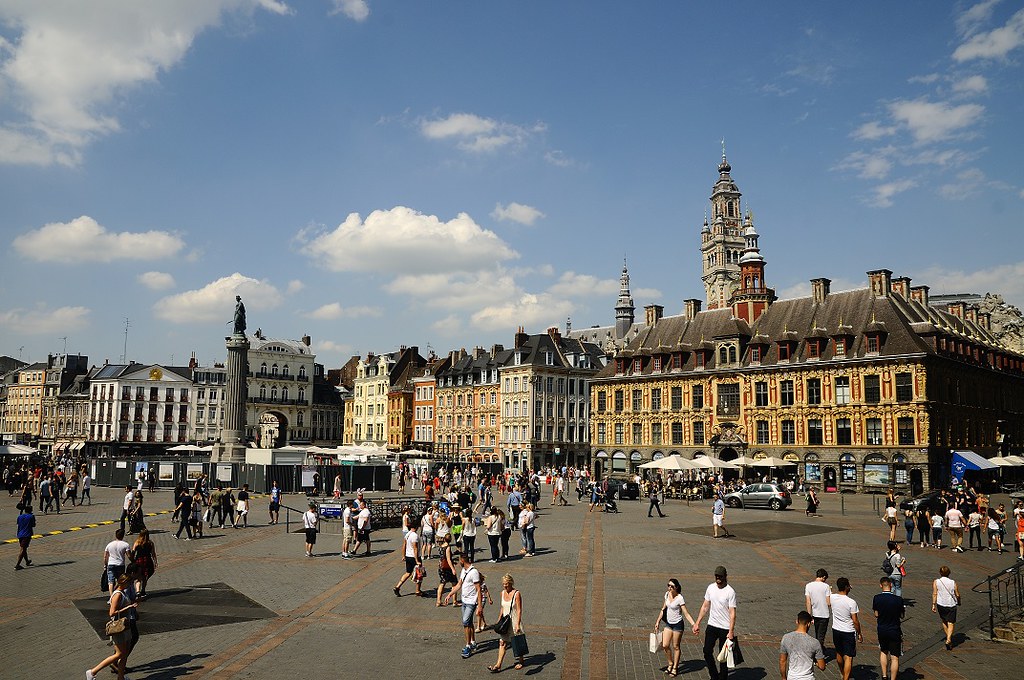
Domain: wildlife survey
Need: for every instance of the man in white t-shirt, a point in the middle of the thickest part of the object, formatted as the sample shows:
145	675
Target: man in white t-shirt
113	557
720	608
845	626
310	522
362	529
129	496
955	522
411	555
346	530
469	588
816	601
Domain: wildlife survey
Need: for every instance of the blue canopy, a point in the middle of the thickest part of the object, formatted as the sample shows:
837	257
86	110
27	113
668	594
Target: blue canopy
969	460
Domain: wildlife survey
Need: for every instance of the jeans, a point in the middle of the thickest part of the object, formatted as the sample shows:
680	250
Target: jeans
654	506
530	545
505	535
522	537
975	532
469	544
909	526
113	571
493	540
897	583
718	671
820	628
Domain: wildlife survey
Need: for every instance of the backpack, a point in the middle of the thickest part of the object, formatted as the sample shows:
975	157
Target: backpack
887	564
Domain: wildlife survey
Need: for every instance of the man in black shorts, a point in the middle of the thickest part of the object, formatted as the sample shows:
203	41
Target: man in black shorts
889	610
412	559
310	520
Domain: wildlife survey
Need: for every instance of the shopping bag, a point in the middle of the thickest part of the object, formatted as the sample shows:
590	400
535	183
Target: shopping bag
104	584
652	643
723	653
737	653
519	646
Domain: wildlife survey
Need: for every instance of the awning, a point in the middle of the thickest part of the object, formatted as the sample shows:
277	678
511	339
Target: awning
60	447
969	460
77	446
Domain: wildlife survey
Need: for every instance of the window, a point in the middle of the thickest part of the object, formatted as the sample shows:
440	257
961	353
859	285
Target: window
698	396
677	398
618	433
872	389
874	431
656	399
813	391
843	435
788	432
840	347
783	351
601	433
657	364
755	355
551	385
904	387
761	394
637	400
813	349
905	431
638	364
762	432
815	433
842	390
677	433
656	434
728	399
786	393
638	431
698	432
873	344
602	401
618	401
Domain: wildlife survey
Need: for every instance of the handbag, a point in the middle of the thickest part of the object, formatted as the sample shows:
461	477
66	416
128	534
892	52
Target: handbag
419	573
116	626
652	643
104	583
519	646
503	624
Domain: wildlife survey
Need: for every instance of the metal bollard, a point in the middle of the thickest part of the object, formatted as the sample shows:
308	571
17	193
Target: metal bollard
842	503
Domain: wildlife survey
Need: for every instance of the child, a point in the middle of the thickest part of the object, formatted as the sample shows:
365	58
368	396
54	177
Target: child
485	596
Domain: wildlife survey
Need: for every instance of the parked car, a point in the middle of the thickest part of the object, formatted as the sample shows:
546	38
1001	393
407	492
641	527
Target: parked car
760	496
624	488
931	501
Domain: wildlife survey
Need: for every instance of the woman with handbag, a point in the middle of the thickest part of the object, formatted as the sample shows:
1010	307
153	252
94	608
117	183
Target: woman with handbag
122	611
510	625
672	612
144	558
945	600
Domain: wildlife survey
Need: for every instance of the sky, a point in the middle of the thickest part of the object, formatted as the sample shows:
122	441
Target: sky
376	173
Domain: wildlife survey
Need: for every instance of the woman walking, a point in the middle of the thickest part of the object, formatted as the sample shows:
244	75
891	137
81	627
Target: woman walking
890	519
529	521
468	532
812	503
945	600
672	612
144	558
493	527
908	524
974	521
506	534
924	526
994	530
136	517
511	606
446	569
122	605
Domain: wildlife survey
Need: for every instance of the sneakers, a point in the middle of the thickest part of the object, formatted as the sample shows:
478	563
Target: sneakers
467	652
345	556
89	675
18	567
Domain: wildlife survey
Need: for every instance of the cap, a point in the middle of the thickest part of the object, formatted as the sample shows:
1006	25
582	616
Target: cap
720	571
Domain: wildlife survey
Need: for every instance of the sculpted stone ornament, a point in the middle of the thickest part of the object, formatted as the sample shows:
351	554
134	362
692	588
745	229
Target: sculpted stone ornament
239	320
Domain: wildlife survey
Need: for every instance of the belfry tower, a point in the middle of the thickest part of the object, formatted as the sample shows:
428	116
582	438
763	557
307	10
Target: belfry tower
722	242
624	309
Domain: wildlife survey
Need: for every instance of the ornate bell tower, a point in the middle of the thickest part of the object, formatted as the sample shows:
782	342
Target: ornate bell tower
722	241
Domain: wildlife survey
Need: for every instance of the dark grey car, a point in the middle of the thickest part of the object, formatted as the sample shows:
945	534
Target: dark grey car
760	496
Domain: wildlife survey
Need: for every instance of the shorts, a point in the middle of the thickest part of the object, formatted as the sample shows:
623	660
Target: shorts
674	627
890	643
410	564
23	542
717	520
845	642
468	610
311	536
362	535
946	614
346	534
274	507
891	521
936	534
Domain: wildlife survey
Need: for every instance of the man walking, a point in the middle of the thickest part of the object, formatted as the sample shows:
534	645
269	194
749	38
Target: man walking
955	522
469	588
129	496
816	601
26	525
412	560
655	505
718	517
889	610
363	529
113	557
346	530
845	626
720	608
799	652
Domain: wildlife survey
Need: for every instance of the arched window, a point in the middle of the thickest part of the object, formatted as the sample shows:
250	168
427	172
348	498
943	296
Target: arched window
723	355
302	371
263	391
300	420
732	354
273	370
302	394
732	209
263	368
273	392
284	394
285	371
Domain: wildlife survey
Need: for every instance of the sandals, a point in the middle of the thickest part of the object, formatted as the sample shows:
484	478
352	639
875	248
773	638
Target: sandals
494	669
518	667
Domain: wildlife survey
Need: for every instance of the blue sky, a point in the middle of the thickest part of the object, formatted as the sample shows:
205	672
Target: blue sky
381	173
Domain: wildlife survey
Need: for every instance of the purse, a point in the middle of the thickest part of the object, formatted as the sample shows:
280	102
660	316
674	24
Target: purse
104	584
519	646
503	624
116	626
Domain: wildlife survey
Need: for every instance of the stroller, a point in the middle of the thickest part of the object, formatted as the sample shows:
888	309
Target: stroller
609	503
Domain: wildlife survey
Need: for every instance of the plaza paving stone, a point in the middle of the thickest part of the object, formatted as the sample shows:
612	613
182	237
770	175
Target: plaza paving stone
591	596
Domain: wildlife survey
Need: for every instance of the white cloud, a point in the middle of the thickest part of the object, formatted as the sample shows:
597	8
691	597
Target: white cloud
156	280
971	85
477	134
334	310
571	284
873	130
926	79
558	159
536	311
968	183
456	290
449	326
647	294
216	300
294	286
332	347
83	240
42	320
869	165
517	212
935	121
882	195
994	44
971	20
69	65
1007	279
403	240
357	10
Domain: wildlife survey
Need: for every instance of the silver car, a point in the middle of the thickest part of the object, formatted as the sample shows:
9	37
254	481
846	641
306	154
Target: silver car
760	496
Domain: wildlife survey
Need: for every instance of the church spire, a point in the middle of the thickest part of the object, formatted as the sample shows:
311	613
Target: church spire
624	309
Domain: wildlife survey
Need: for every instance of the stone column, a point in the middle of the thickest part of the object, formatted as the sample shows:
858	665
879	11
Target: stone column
232	444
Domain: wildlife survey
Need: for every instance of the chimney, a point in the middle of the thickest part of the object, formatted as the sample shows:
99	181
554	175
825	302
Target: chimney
957	309
477	352
880	281
919	294
985	320
192	363
971	313
306	340
495	349
653	314
522	337
820	289
901	285
554	334
691	308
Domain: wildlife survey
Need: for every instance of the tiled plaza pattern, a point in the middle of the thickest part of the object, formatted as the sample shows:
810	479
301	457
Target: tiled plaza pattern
591	596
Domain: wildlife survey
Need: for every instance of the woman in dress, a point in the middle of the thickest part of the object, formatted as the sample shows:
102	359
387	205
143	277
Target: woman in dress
812	503
136	517
446	569
144	557
945	600
511	606
122	604
673	610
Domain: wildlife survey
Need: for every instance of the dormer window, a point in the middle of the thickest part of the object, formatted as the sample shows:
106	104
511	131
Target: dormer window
657	364
638	365
784	351
755	355
813	349
699	360
840	347
517	358
873	343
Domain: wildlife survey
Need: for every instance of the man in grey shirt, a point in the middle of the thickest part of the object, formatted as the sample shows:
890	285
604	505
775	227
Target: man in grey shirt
799	652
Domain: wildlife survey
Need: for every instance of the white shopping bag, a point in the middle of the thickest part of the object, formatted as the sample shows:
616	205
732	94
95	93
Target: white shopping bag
652	643
725	655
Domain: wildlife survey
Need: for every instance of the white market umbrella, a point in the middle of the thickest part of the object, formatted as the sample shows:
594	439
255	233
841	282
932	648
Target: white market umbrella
772	461
743	461
1013	460
669	463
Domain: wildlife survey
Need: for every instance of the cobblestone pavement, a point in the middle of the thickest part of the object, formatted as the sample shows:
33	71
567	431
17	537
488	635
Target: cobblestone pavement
591	595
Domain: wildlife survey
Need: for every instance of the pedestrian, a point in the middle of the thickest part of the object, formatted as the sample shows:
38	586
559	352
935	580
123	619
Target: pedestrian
136	515
512	607
337	486
945	600
143	554
485	599
122	604
595	496
908	525
310	522
529	520
955	523
26	527
889	610
71	490
799	653
938	520
184	512
363	529
86	488
1018	514
974	521
215	513
227	507
197	515
46	496
817	594
468	530
673	610
515	506
427	531
994	533
846	632
560	487
655	504
924	523
445	568
812	503
126	505
492	526
891	521
411	555
897	563
718	517
275	503
243	507
469	587
114	557
720	608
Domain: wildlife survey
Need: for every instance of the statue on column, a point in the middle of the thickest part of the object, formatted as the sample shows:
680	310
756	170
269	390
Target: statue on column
239	316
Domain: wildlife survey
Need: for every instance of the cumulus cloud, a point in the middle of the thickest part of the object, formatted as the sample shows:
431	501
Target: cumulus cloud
84	240
69	65
647	294
357	10
332	347
869	165
156	280
456	290
529	310
994	44
1007	279
935	121
294	286
971	20
403	240
334	310
43	320
517	212
882	195
971	85
216	300
571	284
478	134
873	130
